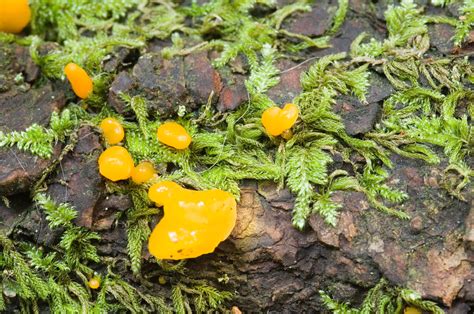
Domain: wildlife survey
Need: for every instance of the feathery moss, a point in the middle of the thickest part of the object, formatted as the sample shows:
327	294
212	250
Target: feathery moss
421	114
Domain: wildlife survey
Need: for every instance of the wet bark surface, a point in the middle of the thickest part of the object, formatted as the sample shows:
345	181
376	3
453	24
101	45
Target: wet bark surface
22	105
270	265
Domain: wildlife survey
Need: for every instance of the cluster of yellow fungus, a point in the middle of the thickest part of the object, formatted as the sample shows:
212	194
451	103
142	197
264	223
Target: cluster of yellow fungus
116	163
194	222
14	15
277	121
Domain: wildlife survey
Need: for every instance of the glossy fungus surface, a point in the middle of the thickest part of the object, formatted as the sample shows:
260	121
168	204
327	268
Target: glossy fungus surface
14	15
143	172
112	130
116	163
81	82
174	135
194	222
94	283
276	120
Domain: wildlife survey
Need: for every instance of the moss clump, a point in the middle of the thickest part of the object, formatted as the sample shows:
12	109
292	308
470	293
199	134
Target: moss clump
383	298
39	140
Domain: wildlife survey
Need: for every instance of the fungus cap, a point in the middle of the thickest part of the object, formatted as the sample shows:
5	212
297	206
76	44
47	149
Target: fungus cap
143	172
94	283
14	15
81	82
115	163
276	120
112	130
174	135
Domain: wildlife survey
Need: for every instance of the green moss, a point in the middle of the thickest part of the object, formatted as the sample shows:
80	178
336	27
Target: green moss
39	140
59	275
238	142
383	298
421	114
465	23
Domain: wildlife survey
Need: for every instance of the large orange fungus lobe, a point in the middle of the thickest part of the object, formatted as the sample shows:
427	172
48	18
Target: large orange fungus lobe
116	163
276	120
14	15
81	82
112	130
174	135
194	222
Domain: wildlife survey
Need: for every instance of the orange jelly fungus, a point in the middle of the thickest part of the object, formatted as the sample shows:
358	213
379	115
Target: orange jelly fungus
143	172
115	163
80	81
174	135
112	130
277	120
94	283
194	222
14	15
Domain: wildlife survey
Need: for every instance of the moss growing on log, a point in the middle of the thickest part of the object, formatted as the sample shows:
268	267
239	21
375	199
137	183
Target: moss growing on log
227	148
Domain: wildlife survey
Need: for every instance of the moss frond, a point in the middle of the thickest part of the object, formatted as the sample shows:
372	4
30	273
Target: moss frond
264	74
466	22
372	184
340	16
382	298
404	22
306	166
138	229
39	140
58	215
178	300
77	242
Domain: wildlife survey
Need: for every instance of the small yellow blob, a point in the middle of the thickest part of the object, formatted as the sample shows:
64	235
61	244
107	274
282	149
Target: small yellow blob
143	172
174	135
287	135
112	130
81	82
162	280
94	283
194	222
115	163
235	310
14	15
412	310
276	120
